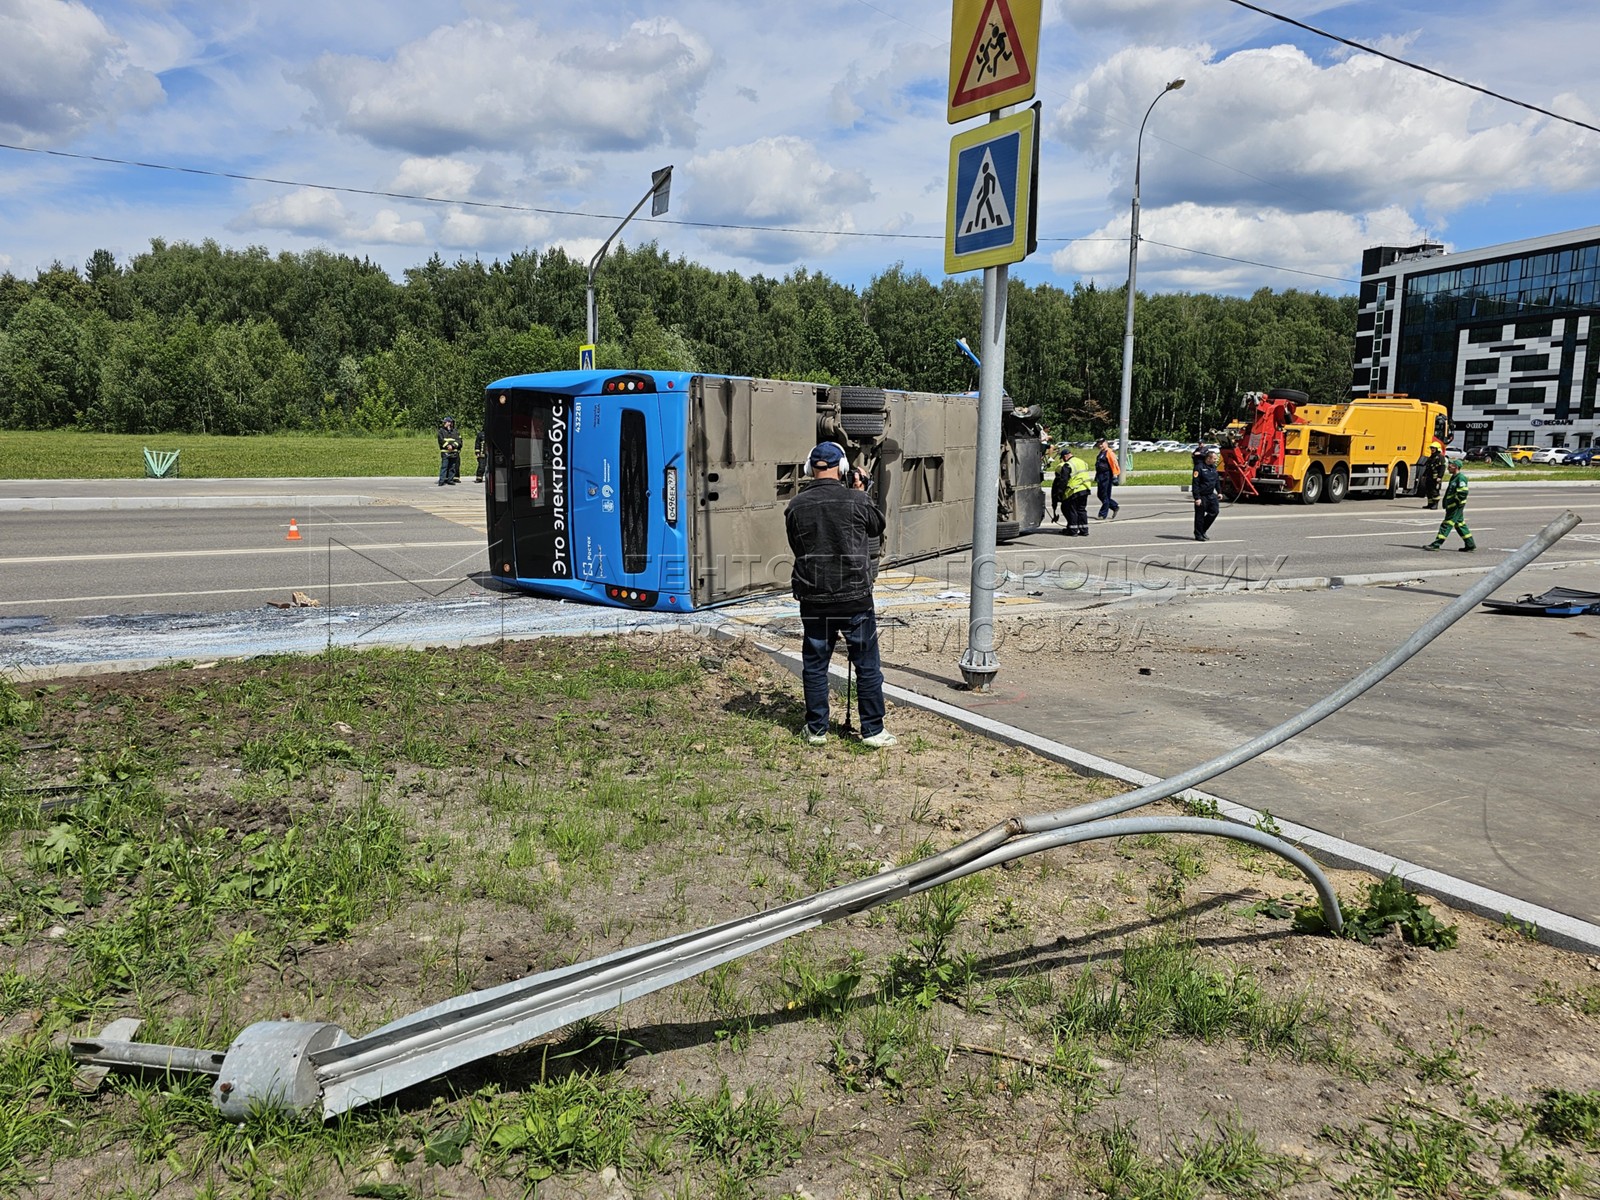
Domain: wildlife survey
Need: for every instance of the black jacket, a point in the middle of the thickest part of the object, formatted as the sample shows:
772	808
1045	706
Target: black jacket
1206	482
834	533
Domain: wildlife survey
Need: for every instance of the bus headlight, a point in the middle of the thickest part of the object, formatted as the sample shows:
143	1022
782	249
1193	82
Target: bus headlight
671	494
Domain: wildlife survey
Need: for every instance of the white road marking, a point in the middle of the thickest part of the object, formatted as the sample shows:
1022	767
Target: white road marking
274	590
130	555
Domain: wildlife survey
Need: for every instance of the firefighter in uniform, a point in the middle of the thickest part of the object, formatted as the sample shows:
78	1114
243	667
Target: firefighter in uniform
1434	473
1455	510
1075	495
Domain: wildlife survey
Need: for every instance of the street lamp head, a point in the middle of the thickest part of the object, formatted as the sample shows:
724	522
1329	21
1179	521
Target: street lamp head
1176	84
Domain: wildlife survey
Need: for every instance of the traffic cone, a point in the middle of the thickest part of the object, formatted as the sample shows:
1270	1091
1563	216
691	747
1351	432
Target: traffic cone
294	531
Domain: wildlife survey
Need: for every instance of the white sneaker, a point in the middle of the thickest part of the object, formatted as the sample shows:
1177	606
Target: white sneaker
816	739
881	740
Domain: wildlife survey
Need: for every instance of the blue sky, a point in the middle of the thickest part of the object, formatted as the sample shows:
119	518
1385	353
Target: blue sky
802	135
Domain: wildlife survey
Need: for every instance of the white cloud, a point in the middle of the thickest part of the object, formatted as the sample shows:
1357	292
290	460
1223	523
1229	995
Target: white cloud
1269	131
1186	247
471	230
447	177
778	181
305	211
518	86
64	71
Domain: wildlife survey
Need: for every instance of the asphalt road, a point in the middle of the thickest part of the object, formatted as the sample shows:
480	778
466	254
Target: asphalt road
81	549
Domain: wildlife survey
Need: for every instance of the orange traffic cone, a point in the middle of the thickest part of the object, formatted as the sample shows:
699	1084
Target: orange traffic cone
294	531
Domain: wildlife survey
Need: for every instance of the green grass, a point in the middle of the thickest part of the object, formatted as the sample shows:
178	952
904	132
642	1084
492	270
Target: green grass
67	455
72	455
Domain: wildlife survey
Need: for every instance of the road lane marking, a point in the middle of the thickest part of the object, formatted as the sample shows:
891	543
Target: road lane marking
130	555
418	584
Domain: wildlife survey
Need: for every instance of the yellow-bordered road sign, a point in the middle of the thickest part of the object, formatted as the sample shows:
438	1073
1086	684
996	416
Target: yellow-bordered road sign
994	46
585	358
991	214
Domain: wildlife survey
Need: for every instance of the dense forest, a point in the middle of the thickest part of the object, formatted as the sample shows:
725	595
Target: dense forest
202	339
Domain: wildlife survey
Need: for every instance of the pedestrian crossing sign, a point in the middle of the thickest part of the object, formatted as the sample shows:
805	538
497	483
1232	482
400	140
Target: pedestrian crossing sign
991	217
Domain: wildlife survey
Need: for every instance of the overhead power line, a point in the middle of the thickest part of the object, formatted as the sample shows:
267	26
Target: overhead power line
1365	49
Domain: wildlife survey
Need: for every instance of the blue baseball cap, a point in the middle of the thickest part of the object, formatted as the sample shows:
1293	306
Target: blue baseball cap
827	454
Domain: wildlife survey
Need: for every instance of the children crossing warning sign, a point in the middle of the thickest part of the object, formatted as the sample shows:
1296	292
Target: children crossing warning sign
991	202
993	47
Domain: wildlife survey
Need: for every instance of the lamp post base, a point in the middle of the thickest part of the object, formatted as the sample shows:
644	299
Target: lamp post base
978	669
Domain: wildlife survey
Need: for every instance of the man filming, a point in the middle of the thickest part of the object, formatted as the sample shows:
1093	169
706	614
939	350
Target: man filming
834	531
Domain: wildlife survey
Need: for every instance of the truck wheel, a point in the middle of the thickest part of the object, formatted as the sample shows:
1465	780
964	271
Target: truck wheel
1228	489
1397	482
1311	487
860	399
862	424
1338	485
1005	531
1289	394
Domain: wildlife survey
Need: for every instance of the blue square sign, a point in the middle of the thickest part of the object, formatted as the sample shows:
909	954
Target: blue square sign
991	205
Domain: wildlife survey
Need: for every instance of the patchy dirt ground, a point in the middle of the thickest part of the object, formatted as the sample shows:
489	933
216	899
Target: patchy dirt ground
1128	1017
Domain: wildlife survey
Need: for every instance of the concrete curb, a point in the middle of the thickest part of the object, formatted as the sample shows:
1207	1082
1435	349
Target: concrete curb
1554	928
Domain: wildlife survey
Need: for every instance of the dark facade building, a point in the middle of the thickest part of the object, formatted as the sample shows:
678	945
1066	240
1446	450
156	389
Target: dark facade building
1503	336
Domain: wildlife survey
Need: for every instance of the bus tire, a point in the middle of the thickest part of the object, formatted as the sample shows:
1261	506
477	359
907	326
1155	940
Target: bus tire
1338	485
1007	404
1005	531
1311	486
863	400
862	424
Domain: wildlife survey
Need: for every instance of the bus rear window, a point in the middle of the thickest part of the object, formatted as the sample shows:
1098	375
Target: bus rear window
531	481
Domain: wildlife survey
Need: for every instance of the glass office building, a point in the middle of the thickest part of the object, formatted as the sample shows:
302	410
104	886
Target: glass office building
1501	335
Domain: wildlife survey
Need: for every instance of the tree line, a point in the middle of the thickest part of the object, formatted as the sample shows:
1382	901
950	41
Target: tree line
206	339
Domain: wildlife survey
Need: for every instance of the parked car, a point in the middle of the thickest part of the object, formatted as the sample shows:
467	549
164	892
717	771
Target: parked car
1455	452
1522	454
1580	458
1485	453
1549	454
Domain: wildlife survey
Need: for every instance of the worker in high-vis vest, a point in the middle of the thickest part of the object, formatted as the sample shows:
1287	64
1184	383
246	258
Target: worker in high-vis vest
1080	478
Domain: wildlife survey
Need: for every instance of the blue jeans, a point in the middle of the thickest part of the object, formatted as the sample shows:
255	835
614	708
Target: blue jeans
860	632
449	467
1102	489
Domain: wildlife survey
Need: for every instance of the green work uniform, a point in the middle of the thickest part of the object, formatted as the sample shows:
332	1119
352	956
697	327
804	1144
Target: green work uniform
1455	513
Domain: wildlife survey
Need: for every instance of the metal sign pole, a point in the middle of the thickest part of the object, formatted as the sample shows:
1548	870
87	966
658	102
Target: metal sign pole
980	663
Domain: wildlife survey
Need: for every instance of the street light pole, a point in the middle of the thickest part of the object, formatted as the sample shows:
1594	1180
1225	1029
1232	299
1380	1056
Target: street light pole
1133	277
660	190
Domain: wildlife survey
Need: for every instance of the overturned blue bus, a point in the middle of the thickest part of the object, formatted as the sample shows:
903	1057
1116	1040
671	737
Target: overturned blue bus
665	490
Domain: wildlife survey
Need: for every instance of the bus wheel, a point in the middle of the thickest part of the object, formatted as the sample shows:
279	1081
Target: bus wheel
1338	485
1005	531
861	399
1311	486
862	424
